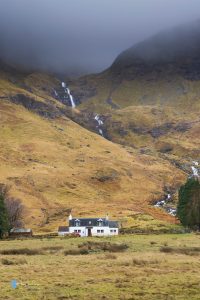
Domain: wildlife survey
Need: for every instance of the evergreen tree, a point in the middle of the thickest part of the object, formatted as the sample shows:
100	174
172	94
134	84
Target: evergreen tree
3	216
188	209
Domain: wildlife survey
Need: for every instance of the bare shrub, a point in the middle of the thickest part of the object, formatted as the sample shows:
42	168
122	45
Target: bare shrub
14	208
153	243
166	249
82	251
21	251
142	262
52	248
15	211
8	262
110	256
126	263
117	247
103	246
181	250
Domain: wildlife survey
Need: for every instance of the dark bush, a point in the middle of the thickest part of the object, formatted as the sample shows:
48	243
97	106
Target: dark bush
103	246
181	250
52	248
82	251
166	249
22	251
8	262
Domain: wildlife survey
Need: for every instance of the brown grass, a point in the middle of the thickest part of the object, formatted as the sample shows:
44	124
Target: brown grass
181	250
97	247
142	270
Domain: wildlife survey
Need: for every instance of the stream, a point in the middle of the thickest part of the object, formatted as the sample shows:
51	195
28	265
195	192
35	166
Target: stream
165	203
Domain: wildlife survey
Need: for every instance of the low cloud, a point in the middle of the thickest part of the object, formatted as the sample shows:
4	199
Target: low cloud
81	36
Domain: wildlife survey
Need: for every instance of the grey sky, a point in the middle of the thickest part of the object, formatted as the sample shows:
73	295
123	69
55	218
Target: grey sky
83	35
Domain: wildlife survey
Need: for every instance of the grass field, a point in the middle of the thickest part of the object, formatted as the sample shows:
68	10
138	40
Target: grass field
142	271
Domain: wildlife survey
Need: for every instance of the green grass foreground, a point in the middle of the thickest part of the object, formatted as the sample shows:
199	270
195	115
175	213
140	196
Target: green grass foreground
148	267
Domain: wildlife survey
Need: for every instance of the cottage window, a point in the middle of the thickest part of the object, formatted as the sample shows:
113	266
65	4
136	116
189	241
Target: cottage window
77	223
102	231
98	231
100	222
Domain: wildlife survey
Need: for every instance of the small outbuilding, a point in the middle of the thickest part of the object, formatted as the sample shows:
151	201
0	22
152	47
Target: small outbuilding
63	230
21	232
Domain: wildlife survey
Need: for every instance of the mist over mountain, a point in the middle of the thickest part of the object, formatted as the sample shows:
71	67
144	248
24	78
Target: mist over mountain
182	42
76	37
170	52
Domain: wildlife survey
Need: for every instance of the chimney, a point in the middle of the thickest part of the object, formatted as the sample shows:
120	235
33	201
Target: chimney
70	217
107	217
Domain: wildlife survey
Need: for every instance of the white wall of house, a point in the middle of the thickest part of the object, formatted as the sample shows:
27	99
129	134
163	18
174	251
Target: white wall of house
95	231
78	229
114	231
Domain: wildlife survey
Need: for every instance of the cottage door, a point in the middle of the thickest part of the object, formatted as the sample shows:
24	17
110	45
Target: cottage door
89	231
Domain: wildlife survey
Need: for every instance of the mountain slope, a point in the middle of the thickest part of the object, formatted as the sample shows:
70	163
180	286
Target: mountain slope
148	102
150	96
54	165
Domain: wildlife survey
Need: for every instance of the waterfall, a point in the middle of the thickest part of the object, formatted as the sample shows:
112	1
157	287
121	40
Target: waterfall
169	197
67	91
97	118
71	98
99	121
164	205
55	92
195	171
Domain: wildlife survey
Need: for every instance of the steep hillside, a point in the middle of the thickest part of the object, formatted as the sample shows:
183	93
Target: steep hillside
149	98
54	165
163	70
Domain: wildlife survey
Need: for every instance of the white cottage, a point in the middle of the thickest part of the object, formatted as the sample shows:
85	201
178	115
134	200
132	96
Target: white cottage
91	227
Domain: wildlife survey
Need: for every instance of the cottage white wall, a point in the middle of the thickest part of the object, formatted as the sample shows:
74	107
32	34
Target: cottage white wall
106	231
82	229
94	231
115	231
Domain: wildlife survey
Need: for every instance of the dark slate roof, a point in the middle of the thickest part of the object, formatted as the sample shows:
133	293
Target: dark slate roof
113	224
63	229
90	222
